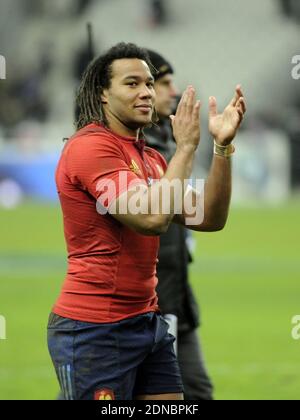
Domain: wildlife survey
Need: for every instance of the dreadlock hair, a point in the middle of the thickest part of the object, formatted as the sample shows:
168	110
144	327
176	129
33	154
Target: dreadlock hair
97	77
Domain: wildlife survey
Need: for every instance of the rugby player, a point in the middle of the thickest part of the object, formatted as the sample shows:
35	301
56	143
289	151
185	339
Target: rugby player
106	336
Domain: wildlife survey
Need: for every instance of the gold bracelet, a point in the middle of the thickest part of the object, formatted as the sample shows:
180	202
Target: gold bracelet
224	151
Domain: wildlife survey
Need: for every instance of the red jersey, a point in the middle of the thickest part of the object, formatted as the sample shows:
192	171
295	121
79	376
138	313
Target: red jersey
111	269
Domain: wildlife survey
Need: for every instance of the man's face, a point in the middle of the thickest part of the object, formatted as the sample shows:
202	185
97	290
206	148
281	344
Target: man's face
130	98
165	95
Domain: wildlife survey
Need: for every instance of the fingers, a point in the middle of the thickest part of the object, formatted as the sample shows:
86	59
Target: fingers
241	115
196	111
239	103
187	101
179	106
237	96
186	122
183	101
190	100
242	104
213	108
241	109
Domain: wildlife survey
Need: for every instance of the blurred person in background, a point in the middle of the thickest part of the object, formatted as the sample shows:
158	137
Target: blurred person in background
175	295
23	97
158	12
291	9
57	8
83	56
107	318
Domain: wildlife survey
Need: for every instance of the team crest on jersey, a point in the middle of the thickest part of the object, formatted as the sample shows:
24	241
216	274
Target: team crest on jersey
134	167
104	395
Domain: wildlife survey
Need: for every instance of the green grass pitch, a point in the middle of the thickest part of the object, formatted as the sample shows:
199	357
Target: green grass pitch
246	277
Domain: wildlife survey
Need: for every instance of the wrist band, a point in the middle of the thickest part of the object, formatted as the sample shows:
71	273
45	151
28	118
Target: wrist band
225	151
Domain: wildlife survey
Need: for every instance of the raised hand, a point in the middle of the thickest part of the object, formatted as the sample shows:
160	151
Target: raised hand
186	122
223	127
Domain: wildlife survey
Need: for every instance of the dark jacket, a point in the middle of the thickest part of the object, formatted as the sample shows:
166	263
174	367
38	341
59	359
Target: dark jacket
174	292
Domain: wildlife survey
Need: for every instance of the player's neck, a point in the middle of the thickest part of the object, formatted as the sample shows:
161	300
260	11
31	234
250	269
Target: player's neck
120	128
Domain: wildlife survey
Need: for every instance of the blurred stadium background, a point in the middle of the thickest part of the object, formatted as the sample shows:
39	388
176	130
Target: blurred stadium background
247	277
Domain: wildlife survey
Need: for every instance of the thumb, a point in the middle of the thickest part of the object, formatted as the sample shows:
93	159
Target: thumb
213	109
172	117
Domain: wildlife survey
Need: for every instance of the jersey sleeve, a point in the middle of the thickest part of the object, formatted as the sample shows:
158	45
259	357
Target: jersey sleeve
98	165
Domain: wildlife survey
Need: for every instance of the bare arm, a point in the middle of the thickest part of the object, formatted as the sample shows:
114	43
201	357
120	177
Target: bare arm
217	190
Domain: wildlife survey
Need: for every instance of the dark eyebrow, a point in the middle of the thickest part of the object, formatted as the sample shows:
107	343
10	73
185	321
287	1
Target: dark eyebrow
149	79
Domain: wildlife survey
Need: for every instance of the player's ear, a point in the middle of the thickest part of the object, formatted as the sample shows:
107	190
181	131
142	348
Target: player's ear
104	96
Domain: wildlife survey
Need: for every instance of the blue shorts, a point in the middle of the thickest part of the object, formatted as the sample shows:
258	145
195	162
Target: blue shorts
119	361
